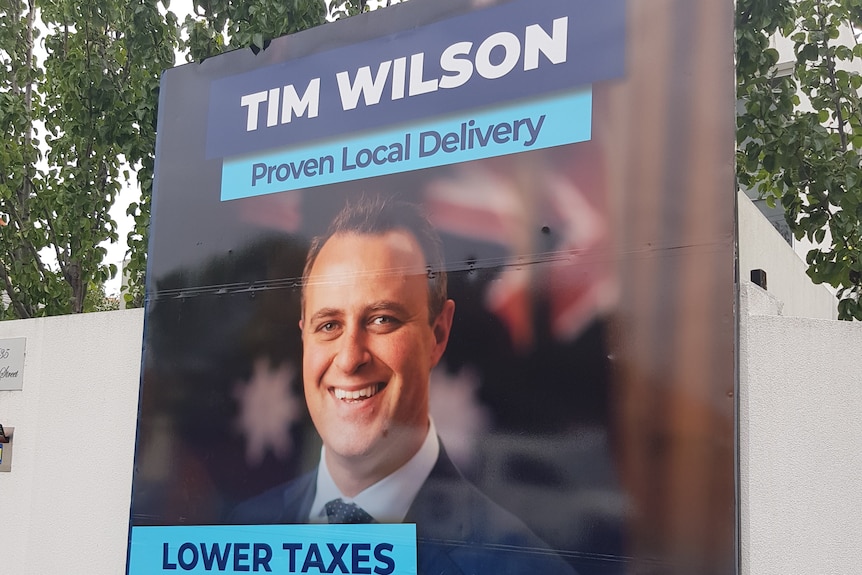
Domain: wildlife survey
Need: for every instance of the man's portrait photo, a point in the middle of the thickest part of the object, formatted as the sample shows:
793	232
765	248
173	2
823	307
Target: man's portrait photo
376	319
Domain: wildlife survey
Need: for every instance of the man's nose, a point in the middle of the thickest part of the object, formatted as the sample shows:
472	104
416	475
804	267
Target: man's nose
352	351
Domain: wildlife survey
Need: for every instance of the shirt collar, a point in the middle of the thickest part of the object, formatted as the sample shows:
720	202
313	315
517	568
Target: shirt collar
389	499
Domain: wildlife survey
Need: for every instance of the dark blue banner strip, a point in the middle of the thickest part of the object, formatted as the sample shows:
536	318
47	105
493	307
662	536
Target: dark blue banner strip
518	50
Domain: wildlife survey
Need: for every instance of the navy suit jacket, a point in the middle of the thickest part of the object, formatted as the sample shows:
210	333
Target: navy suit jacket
459	530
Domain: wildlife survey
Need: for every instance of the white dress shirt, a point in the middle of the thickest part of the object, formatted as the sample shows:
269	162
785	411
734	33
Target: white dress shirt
389	499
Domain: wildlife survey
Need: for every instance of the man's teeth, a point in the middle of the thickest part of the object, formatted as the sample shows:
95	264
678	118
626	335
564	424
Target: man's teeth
358	394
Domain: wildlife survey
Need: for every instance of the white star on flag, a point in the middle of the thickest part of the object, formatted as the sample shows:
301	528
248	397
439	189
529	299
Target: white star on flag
267	409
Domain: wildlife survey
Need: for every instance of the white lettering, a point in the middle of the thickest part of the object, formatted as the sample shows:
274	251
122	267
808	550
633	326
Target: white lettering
463	68
399	73
253	102
308	104
553	47
417	84
362	85
272	108
498	55
512	51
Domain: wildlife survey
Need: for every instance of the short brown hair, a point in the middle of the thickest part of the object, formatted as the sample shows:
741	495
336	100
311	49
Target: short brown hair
376	216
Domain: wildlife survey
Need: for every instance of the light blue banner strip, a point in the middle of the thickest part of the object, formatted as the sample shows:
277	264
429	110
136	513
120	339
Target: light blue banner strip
532	125
383	549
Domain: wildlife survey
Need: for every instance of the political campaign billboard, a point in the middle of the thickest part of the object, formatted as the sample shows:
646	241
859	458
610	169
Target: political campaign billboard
445	288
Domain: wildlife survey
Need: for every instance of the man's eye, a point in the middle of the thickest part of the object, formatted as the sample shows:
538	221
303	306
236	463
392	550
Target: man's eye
385	322
327	327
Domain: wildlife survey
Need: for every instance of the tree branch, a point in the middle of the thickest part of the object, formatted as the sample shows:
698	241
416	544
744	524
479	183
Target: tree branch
833	82
23	311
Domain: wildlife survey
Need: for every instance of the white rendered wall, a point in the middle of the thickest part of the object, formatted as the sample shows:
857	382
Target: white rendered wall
64	507
800	423
762	247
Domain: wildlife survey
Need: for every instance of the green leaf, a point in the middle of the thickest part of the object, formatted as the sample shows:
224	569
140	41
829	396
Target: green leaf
809	52
819	235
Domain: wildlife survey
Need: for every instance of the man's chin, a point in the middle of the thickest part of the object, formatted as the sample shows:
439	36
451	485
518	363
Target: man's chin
364	444
351	442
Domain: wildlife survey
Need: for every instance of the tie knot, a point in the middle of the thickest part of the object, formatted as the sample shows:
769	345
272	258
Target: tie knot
337	511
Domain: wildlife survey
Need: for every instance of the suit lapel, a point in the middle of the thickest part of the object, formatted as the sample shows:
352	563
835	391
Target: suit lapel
298	497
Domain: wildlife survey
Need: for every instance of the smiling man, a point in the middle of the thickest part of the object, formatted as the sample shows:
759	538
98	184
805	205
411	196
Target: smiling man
369	344
375	321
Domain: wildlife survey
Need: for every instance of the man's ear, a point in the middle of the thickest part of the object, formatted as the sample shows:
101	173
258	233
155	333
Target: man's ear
300	325
441	328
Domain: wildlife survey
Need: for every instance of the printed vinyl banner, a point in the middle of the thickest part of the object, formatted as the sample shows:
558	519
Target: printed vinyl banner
446	288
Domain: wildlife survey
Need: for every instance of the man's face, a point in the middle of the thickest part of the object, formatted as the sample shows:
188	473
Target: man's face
368	346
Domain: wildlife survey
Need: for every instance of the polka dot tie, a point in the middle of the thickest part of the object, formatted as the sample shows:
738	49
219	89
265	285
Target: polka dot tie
337	511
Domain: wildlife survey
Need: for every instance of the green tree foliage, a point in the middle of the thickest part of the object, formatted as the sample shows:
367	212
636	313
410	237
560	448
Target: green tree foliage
81	112
71	120
21	269
220	25
97	300
799	136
